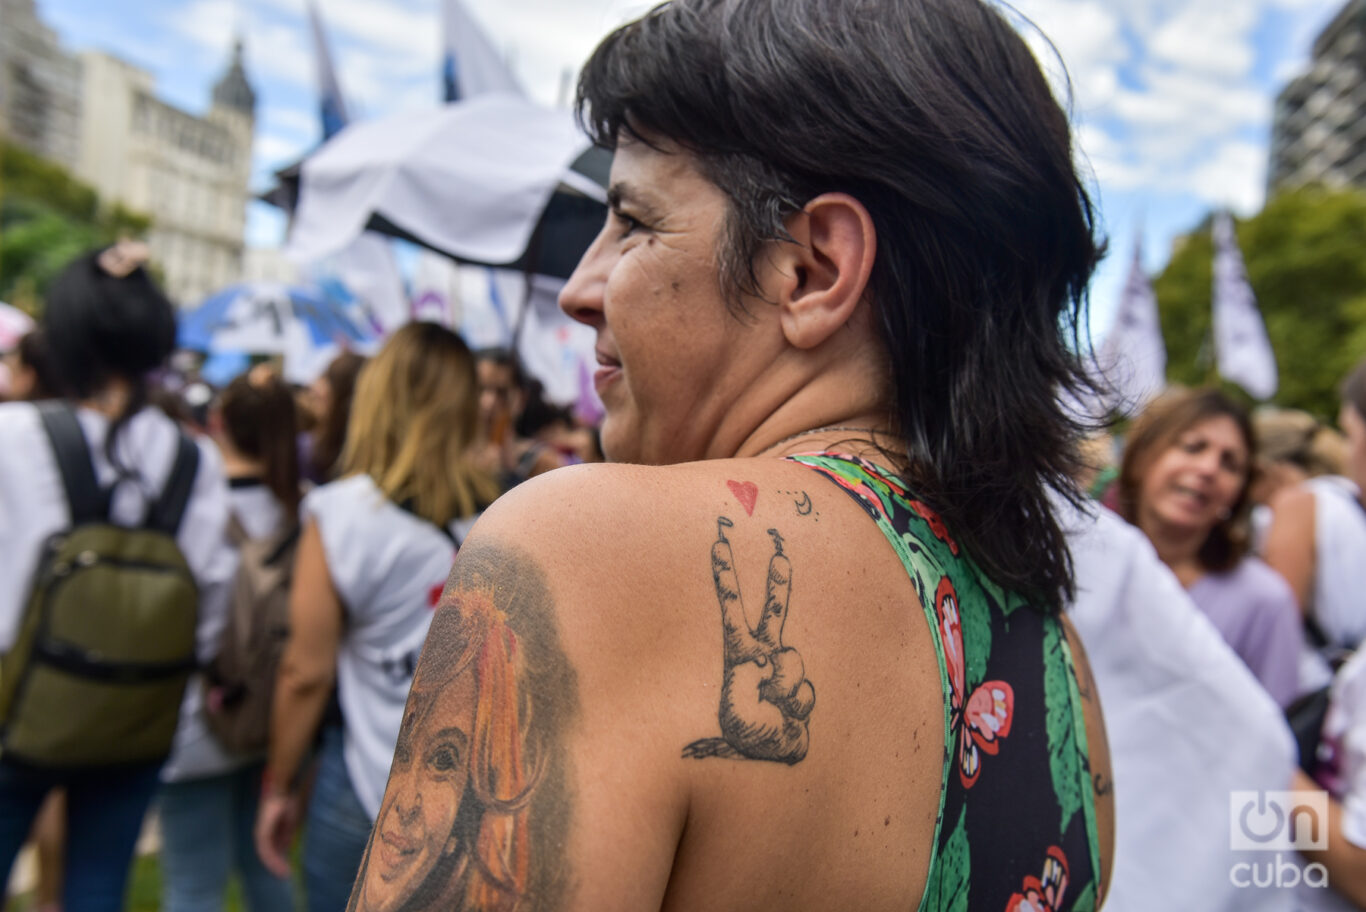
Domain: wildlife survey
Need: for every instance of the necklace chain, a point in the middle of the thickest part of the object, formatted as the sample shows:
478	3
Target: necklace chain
829	428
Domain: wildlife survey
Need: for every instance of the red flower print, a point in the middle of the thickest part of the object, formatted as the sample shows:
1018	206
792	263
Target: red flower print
1042	894
936	525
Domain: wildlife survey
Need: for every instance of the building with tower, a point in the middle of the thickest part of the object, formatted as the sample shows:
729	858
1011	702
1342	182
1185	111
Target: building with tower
188	172
1318	133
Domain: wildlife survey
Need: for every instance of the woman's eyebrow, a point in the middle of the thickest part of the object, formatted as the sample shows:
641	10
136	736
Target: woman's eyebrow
622	193
454	734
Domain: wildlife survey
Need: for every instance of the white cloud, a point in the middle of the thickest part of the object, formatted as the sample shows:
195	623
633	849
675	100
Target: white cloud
1108	160
291	121
1087	36
1234	175
272	49
1208	38
209	23
271	151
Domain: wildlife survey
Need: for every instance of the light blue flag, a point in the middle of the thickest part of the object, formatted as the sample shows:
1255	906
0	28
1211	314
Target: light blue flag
332	105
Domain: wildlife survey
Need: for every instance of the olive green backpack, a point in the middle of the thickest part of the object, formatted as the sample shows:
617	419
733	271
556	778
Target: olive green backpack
107	639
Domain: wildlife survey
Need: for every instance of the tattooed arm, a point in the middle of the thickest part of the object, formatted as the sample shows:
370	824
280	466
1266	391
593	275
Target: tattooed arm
1102	777
496	798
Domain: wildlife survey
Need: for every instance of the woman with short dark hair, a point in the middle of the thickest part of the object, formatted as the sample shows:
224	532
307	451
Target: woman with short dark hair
803	644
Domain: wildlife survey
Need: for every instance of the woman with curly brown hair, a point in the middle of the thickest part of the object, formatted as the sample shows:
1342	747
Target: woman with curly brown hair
1184	482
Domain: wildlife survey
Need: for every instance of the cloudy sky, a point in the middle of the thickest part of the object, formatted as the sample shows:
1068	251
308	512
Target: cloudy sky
1171	99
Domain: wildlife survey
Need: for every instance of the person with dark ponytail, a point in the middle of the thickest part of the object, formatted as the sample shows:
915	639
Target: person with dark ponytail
107	326
810	622
209	796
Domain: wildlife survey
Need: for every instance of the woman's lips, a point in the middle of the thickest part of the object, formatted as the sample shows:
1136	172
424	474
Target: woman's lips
609	369
395	850
604	376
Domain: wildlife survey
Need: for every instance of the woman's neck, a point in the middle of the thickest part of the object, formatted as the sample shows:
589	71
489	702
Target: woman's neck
236	465
112	399
1179	549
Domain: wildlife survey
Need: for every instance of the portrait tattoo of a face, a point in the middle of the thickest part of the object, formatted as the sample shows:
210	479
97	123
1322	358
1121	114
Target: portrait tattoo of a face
476	807
766	698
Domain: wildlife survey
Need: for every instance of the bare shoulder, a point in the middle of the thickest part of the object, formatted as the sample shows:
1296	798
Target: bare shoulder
1293	503
626	661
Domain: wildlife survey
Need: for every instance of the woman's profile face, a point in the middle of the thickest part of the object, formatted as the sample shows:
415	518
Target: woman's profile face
416	825
318	399
1193	484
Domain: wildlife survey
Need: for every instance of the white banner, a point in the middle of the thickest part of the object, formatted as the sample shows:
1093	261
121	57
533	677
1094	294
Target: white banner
469	63
1133	358
1243	351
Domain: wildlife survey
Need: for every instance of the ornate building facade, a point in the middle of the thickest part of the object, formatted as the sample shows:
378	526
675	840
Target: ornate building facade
189	173
1318	133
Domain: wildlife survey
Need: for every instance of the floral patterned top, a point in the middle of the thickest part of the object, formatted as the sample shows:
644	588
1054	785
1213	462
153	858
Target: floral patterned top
1016	829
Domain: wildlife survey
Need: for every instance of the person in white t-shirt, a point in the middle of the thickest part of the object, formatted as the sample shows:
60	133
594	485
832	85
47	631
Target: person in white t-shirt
107	326
376	549
1187	725
208	798
1317	541
1340	769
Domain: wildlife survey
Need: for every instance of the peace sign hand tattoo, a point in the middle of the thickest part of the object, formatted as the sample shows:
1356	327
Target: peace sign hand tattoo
765	695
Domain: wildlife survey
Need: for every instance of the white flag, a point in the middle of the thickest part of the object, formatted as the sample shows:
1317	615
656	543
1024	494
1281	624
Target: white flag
1132	360
436	290
365	275
556	349
469	63
1242	349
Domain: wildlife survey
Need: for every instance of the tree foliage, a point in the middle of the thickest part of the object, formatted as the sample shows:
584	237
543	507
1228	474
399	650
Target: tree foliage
47	217
1306	261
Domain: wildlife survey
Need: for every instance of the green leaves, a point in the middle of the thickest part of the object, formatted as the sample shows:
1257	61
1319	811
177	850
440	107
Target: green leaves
947	890
1086	899
46	219
1304	261
1063	762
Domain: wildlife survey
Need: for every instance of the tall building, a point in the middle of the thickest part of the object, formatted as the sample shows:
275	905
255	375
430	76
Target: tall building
40	86
1318	132
189	173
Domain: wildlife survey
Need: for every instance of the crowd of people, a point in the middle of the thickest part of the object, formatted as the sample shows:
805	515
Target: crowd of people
403	616
360	488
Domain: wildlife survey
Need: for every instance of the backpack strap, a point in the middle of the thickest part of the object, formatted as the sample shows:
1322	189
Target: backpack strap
237	533
83	495
169	509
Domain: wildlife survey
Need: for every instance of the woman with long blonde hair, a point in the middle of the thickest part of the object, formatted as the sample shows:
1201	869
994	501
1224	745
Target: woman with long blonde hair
376	548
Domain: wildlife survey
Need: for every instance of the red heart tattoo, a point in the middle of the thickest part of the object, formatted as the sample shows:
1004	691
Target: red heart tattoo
747	492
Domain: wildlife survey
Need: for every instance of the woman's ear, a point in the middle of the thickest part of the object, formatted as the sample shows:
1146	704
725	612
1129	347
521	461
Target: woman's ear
820	280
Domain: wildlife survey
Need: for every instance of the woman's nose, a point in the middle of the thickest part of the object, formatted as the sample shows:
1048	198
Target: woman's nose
581	297
408	800
1209	462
